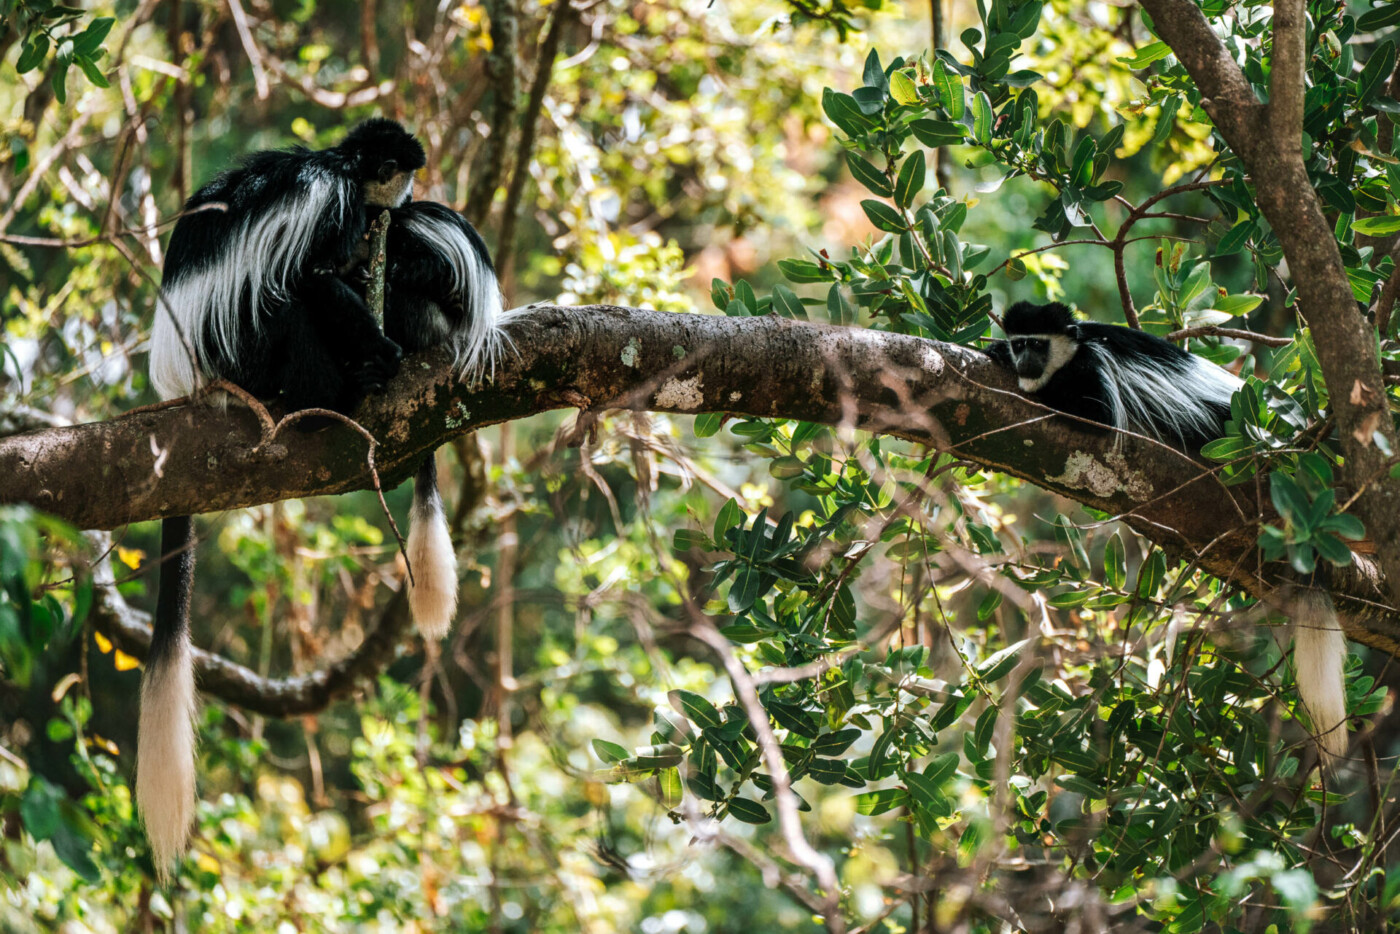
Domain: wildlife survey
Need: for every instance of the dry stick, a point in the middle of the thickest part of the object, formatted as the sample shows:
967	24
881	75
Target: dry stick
250	46
294	417
544	71
1119	242
61	244
378	260
1237	333
703	628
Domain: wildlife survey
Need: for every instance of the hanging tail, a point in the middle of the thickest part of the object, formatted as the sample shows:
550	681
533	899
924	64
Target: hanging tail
166	740
432	594
1319	660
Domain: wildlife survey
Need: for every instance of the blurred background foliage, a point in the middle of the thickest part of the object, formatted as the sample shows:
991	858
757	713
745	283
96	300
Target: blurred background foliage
1036	720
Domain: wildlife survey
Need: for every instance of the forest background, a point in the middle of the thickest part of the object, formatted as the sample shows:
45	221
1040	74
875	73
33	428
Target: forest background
765	626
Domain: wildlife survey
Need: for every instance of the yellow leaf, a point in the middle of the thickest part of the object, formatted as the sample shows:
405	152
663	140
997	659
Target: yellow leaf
207	863
106	745
103	643
124	662
131	557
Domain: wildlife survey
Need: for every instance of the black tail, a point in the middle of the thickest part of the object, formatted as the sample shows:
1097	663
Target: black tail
165	748
432	595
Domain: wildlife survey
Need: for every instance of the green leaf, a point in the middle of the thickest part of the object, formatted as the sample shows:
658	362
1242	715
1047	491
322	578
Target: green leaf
950	90
873	73
1377	70
91	38
58	78
1115	564
39	808
1146	55
1166	120
720	294
936	133
1227	448
704	788
696	709
662	756
75	849
609	752
787	304
872	803
786	467
686	539
883	216
32	53
1376	226
749	811
833	744
1150	575
1236	305
799	270
903	89
1288	498
1387	14
981	118
1345	525
93	73
869	176
911	179
708	424
729	516
999	664
843	111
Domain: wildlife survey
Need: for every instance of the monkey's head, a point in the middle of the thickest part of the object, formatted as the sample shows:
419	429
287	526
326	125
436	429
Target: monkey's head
384	156
1042	339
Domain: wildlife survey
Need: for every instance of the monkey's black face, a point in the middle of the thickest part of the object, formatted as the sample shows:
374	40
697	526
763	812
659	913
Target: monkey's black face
1030	356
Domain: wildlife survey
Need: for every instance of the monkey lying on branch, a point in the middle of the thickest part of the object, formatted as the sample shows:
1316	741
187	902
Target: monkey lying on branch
1133	381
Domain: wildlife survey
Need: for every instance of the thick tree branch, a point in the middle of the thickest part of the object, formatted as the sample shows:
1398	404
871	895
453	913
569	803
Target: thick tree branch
1287	75
199	458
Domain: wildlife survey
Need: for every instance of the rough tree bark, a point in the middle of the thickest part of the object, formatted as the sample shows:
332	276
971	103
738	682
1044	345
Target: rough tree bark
202	458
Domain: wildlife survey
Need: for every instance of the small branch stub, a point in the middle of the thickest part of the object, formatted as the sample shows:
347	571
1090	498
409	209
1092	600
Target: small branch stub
378	259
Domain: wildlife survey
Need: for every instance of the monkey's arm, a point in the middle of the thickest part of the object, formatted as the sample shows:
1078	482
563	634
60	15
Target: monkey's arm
342	322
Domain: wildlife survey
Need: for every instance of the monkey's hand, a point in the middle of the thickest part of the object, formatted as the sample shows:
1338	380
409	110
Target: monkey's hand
381	364
1000	351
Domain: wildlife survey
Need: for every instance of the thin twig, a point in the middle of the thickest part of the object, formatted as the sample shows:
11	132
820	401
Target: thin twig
294	417
250	46
62	244
703	628
1236	333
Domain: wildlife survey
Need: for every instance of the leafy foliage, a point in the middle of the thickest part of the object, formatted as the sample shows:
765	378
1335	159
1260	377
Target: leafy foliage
982	696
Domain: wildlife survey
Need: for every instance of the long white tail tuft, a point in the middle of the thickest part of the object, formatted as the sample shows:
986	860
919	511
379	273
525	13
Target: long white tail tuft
165	752
432	595
1319	658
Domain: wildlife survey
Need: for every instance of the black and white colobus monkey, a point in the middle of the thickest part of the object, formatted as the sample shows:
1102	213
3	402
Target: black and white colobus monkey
440	288
1129	380
252	294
